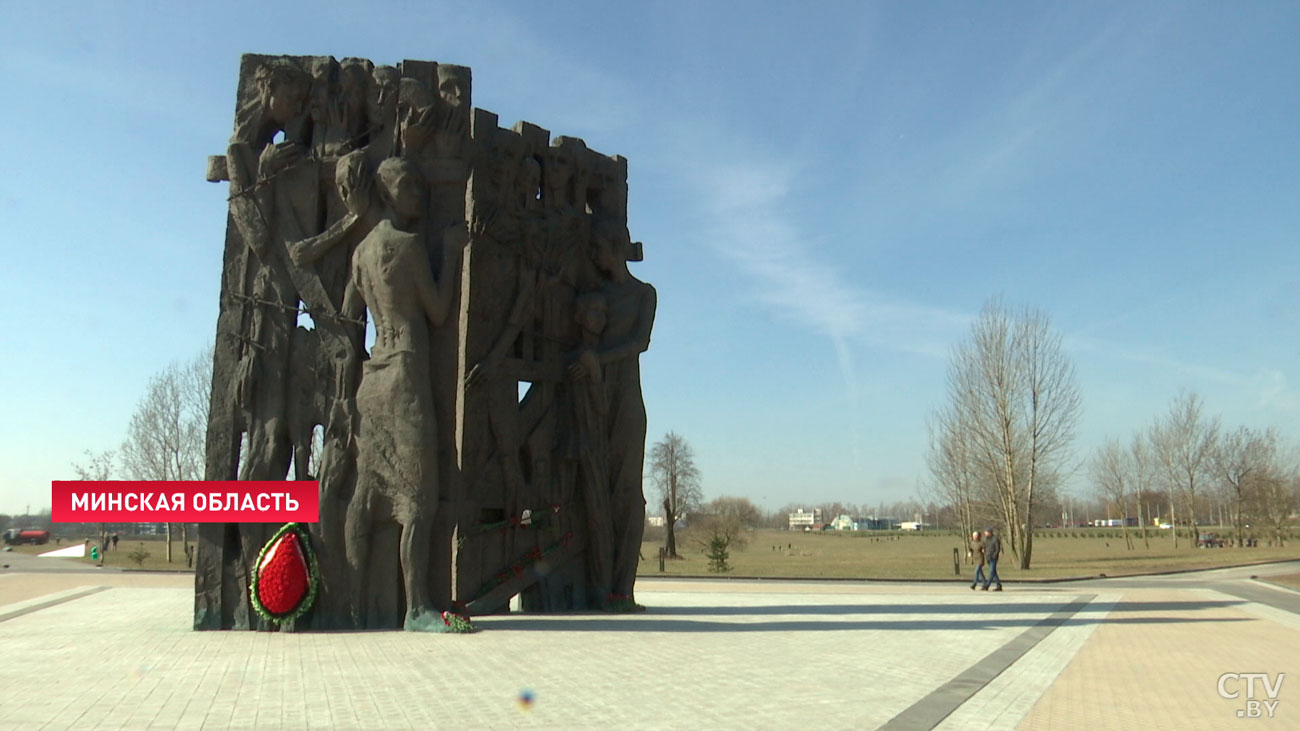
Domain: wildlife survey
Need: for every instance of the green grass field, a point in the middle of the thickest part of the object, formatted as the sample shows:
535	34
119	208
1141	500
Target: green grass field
863	555
930	556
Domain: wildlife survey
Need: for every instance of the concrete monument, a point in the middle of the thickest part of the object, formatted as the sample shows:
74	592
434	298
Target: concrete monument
434	317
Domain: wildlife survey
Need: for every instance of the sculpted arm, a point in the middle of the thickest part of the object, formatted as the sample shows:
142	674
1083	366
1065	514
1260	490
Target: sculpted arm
354	308
248	204
310	249
435	297
514	325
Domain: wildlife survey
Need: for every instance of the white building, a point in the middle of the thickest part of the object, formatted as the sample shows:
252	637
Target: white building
844	522
806	519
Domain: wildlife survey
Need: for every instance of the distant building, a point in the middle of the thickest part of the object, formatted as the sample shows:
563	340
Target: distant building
844	522
913	525
654	521
874	523
805	519
1114	522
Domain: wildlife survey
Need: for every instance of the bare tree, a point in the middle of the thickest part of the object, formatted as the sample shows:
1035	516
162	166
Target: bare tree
741	509
952	466
1139	459
1013	393
165	438
1183	444
98	467
1112	476
1273	493
673	471
1238	458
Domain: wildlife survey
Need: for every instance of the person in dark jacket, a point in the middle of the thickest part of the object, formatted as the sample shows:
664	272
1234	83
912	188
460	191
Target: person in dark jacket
976	553
992	550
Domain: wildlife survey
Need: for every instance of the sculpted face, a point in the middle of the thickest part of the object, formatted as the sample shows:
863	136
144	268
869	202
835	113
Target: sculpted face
383	97
352	179
610	244
353	79
453	85
284	91
561	160
402	187
530	180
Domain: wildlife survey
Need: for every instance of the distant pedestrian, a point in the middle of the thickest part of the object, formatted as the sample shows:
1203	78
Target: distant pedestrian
976	553
992	551
114	541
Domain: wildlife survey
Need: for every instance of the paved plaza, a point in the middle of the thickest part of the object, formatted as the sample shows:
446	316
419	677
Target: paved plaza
103	649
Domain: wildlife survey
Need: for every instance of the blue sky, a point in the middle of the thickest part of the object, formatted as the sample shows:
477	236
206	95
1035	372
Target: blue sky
827	194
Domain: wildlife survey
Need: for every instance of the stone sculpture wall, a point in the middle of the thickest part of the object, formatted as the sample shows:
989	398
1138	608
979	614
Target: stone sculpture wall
489	441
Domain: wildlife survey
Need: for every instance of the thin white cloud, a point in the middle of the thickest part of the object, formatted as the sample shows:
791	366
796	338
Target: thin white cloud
1276	393
743	200
1155	357
1266	390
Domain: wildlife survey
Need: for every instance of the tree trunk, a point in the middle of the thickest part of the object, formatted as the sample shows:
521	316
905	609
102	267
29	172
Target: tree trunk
1237	522
670	521
1142	521
1028	551
1173	518
169	542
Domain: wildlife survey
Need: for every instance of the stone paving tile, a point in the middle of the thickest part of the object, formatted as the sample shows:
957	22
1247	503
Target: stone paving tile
1008	698
1157	660
126	658
23	586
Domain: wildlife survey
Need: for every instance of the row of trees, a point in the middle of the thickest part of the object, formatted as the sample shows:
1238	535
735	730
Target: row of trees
1189	461
165	437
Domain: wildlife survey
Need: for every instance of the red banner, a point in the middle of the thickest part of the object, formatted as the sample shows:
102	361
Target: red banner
235	501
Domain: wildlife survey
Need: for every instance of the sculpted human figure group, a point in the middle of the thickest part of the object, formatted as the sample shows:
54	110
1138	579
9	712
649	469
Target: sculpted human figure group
399	270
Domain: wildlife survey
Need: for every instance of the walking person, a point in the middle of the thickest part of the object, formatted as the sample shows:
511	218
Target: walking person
976	553
992	550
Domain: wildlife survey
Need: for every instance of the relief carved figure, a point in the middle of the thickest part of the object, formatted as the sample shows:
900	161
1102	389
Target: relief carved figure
397	455
590	445
630	311
270	208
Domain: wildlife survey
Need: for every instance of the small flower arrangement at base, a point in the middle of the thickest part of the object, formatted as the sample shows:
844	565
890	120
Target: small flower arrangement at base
457	623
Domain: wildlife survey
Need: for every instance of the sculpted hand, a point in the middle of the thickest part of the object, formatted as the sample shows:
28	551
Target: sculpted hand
480	225
246	380
417	128
279	156
586	365
482	371
455	237
298	252
577	371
